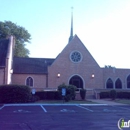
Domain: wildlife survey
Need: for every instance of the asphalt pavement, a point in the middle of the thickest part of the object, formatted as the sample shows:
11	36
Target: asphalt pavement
61	117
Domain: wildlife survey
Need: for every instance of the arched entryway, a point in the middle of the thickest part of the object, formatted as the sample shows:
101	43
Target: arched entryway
76	81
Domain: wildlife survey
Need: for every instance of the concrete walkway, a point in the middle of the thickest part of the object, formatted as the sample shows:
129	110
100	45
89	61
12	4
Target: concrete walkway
101	101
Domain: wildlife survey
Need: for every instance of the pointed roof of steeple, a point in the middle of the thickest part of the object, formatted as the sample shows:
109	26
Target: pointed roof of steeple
71	30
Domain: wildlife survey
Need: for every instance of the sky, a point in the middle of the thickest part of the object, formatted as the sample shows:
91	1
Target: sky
102	25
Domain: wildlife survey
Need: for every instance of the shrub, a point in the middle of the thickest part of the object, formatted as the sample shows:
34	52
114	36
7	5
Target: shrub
34	98
48	95
14	94
83	93
41	95
113	94
125	95
104	95
70	92
121	95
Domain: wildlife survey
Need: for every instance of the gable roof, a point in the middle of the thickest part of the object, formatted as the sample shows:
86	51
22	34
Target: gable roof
4	43
76	45
31	65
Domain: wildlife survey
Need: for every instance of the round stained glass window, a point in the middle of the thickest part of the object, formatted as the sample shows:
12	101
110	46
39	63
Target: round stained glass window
75	56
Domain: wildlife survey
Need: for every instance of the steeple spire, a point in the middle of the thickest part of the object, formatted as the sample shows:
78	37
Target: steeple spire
71	30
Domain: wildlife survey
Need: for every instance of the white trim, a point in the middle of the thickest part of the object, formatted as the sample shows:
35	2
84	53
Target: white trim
33	81
79	76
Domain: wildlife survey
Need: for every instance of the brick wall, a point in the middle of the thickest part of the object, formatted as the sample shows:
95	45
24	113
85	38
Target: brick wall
39	80
67	68
114	74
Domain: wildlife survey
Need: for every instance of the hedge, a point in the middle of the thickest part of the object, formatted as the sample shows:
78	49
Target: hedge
104	95
125	95
48	95
113	94
15	94
120	95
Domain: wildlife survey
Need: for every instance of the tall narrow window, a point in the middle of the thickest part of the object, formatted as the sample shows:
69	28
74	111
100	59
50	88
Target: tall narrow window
128	81
109	83
29	82
118	84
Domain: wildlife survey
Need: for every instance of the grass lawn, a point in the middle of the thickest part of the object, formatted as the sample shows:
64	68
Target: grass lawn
61	101
124	101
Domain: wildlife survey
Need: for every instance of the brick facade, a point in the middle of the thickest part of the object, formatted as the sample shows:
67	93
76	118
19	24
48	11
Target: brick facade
114	74
67	69
83	69
39	81
87	70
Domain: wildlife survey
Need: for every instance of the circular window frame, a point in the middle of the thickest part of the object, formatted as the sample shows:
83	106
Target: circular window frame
80	55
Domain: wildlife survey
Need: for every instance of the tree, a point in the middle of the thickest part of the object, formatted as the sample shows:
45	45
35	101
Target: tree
21	37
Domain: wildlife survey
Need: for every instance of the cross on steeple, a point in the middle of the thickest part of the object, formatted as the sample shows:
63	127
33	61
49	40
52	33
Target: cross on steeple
71	30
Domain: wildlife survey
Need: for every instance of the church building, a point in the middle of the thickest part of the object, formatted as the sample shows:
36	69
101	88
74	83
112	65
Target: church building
74	65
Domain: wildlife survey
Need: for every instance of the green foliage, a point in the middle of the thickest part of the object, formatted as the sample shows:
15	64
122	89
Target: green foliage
21	36
47	95
14	94
70	92
104	95
120	95
83	93
123	95
113	94
34	98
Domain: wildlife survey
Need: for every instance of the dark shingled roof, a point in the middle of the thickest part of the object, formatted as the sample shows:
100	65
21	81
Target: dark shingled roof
3	51
31	65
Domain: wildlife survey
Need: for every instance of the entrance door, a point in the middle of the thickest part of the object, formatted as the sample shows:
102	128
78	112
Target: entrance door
76	81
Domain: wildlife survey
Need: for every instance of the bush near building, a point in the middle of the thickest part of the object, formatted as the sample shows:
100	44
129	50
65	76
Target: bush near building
15	94
47	95
113	94
119	95
57	95
70	92
104	95
83	93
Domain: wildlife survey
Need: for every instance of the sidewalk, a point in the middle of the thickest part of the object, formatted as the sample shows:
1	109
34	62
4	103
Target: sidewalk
101	101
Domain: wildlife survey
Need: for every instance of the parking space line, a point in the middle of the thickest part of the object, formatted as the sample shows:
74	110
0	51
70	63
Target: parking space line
122	108
84	108
2	107
43	108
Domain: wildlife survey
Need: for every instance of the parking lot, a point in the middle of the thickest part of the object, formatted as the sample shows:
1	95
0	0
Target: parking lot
61	117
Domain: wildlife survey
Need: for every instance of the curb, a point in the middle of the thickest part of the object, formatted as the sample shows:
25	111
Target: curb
53	104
